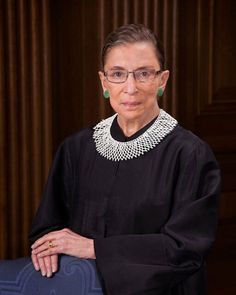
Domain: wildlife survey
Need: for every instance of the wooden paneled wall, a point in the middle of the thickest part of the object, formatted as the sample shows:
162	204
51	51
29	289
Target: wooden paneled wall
25	118
209	93
49	88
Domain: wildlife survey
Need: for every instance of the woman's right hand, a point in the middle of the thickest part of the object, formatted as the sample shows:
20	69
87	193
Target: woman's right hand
46	249
47	265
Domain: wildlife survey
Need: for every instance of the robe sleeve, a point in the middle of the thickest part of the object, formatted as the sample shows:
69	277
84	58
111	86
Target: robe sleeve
155	263
52	213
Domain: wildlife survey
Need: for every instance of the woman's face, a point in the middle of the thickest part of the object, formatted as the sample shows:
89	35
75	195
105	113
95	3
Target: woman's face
133	99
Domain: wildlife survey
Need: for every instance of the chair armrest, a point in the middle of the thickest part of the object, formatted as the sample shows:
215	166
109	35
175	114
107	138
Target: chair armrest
75	276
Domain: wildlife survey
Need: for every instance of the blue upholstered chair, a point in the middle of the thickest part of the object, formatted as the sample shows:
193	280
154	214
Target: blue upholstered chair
75	277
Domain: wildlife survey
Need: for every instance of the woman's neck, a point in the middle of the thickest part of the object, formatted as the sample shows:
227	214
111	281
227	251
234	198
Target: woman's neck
131	126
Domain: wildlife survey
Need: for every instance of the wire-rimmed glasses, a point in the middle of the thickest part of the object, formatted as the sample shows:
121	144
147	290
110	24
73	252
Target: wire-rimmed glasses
140	75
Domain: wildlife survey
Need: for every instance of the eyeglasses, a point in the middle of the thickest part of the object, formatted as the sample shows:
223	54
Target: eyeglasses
141	75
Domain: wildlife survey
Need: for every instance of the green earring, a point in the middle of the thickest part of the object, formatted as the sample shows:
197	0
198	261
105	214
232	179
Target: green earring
106	94
160	92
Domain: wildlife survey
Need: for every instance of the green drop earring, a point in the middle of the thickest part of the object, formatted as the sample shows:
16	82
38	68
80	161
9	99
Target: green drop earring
160	92
106	94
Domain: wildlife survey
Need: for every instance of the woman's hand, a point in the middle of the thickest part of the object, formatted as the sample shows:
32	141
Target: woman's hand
46	249
47	265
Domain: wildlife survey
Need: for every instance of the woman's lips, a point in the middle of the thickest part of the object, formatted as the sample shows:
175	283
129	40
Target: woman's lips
130	104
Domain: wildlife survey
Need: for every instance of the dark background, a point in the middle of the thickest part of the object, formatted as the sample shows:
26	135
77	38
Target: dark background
49	88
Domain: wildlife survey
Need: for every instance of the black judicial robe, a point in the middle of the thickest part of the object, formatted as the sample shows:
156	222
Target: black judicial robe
153	218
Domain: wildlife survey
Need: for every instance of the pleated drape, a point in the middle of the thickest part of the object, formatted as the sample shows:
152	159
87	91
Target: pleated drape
25	118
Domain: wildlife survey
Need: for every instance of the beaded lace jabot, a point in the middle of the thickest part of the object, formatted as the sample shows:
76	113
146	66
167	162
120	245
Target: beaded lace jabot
115	150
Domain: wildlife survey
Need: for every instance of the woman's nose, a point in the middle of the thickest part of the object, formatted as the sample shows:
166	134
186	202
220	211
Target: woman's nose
130	84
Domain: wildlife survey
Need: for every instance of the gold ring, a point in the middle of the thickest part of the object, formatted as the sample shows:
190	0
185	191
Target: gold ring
50	244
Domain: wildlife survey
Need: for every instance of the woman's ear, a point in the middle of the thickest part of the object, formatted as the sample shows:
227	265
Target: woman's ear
164	78
102	80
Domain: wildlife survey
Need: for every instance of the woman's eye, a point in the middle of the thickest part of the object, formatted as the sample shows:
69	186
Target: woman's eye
144	74
117	74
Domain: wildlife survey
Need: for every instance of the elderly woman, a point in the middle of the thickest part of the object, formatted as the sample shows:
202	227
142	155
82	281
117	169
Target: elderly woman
137	192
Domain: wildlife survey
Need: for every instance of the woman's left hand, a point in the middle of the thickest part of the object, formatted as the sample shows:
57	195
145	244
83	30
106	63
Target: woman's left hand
64	242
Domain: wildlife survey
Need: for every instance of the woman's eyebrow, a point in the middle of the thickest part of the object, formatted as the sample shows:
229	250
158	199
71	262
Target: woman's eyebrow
145	68
139	68
117	68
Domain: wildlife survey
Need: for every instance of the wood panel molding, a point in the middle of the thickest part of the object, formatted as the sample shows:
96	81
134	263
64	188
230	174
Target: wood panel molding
215	57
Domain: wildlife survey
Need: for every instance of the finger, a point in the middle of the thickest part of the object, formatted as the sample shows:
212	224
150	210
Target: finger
38	243
54	262
48	265
42	266
51	251
35	262
44	250
43	239
46	238
41	248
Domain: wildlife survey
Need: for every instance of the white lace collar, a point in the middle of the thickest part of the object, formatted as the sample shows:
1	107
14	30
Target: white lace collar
115	150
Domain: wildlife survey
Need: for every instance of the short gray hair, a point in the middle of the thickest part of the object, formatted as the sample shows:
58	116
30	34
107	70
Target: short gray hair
133	33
